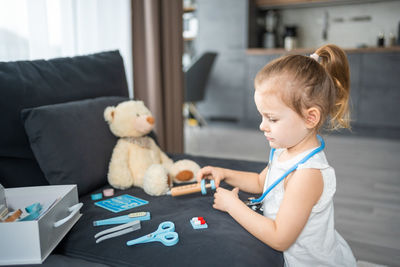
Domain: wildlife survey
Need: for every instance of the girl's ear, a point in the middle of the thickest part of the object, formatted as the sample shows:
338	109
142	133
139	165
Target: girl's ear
313	116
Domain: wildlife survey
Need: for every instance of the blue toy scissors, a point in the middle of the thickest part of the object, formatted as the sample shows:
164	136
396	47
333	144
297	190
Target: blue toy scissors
165	234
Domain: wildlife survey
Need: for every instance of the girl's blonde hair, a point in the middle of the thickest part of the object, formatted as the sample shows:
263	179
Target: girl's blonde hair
324	84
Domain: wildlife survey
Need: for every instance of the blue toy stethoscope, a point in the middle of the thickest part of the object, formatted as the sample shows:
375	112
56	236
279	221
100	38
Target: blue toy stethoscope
256	203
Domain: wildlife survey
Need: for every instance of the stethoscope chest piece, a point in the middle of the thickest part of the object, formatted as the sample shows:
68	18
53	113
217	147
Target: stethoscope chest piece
256	206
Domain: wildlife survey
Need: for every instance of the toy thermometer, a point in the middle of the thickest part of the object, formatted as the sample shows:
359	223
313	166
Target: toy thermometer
192	188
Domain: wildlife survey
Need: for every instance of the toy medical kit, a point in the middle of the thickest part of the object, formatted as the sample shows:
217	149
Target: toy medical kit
117	231
96	196
136	216
165	234
192	188
121	203
198	223
256	203
108	192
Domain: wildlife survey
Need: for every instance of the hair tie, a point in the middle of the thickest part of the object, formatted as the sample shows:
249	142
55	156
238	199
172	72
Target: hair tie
315	57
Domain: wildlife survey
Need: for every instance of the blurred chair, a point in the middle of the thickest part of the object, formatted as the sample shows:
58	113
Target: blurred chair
196	78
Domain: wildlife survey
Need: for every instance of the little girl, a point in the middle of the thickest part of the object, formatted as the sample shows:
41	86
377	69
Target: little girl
295	95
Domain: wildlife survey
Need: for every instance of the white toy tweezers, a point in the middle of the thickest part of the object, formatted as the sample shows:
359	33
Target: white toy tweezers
117	231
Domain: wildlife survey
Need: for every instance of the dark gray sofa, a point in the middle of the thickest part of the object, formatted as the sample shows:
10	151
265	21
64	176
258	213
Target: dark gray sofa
54	133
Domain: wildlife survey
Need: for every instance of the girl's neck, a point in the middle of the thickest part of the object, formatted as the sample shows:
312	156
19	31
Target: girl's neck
309	141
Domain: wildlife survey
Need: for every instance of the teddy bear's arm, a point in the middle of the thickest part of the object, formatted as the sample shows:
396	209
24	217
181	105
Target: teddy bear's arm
165	160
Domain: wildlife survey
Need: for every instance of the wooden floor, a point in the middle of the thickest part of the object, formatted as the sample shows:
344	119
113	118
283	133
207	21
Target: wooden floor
367	200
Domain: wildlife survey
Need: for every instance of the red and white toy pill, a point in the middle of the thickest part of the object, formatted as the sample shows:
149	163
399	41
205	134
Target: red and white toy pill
198	223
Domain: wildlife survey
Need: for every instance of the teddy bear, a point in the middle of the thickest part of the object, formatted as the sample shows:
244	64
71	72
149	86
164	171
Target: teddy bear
136	159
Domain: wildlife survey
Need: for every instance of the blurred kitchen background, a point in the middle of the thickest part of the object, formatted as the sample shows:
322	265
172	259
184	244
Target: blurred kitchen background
246	35
222	120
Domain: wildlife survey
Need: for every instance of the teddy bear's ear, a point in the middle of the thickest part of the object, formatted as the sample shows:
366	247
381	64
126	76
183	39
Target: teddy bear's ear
109	114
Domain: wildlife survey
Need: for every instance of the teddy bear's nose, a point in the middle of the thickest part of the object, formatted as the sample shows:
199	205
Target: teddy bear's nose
150	120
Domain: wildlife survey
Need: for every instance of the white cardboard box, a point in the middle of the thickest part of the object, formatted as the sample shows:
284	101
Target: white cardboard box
30	242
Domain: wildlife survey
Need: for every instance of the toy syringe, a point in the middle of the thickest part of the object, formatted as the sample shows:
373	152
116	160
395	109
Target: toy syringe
192	188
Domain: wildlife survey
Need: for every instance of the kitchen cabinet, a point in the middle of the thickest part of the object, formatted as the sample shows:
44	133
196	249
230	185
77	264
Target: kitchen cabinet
379	99
355	84
285	3
297	3
222	29
254	63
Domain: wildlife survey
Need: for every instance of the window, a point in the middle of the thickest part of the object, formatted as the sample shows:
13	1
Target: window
44	29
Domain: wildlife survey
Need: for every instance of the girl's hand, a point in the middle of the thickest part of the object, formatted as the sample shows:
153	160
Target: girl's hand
212	173
224	199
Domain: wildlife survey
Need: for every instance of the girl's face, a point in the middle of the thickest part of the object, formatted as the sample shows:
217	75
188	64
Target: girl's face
282	126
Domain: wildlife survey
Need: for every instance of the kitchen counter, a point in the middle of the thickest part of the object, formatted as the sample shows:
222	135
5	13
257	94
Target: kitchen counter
280	51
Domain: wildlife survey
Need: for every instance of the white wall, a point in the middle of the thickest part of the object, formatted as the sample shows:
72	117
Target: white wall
385	18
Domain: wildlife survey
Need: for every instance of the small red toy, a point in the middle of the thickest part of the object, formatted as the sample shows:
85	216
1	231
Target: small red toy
198	223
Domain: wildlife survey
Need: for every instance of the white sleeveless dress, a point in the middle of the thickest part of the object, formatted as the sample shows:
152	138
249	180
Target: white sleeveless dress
318	244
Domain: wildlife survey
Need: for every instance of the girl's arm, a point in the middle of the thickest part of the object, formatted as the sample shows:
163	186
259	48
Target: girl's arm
247	181
250	182
302	192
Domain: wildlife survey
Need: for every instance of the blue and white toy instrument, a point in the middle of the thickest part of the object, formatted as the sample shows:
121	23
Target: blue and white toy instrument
136	216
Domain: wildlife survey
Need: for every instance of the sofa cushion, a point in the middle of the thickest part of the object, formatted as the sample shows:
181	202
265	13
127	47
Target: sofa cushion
72	141
27	84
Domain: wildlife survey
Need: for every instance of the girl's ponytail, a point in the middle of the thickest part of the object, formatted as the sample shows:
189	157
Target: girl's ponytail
334	60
